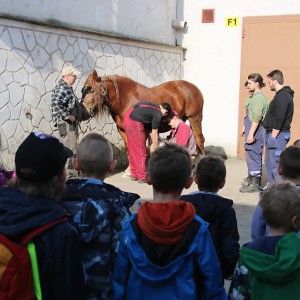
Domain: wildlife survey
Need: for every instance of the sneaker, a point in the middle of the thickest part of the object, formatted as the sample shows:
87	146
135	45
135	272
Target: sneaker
141	181
133	179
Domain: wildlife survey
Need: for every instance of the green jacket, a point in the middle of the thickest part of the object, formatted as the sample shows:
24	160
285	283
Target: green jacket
261	276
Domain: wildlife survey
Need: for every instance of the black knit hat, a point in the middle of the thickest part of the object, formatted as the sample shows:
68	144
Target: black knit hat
40	157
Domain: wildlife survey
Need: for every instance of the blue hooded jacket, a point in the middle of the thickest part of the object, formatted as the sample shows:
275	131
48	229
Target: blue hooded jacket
135	277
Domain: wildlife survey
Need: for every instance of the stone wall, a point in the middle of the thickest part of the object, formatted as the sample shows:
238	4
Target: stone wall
31	59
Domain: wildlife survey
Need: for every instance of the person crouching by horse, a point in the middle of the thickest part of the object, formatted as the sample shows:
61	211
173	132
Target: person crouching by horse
142	118
181	134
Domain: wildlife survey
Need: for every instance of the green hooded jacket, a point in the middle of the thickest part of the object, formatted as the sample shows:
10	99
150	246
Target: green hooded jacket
261	276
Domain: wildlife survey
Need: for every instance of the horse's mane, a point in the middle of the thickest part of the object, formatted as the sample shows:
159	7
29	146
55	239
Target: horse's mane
118	82
120	85
103	106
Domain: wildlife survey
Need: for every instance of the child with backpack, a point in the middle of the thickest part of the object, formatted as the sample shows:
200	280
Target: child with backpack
98	211
31	214
166	251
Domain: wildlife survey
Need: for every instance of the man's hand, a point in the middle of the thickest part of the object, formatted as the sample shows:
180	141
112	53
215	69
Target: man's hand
250	139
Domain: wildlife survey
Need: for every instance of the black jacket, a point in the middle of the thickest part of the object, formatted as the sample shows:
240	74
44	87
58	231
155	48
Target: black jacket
57	249
281	111
220	215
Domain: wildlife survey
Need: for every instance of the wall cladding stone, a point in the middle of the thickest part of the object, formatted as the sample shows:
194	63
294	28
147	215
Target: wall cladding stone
31	60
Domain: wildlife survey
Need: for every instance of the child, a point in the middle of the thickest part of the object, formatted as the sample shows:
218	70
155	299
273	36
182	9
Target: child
289	170
269	267
98	211
217	211
166	251
29	202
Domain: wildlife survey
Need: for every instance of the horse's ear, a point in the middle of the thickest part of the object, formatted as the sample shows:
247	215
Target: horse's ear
95	75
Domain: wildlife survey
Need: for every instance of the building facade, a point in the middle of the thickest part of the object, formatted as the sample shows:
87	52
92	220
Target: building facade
151	42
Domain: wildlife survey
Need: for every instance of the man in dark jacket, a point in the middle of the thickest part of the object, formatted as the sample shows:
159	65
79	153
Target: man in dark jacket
277	122
29	202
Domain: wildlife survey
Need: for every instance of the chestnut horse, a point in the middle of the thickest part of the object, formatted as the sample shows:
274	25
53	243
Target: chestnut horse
116	94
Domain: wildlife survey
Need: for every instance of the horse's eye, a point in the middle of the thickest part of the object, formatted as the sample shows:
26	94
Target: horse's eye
86	90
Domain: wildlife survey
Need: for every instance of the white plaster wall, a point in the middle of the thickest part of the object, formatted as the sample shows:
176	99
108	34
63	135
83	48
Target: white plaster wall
139	19
213	60
31	59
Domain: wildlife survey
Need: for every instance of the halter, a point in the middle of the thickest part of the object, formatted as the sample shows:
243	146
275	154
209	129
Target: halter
103	94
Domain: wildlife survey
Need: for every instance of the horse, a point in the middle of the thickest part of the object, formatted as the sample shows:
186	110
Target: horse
117	94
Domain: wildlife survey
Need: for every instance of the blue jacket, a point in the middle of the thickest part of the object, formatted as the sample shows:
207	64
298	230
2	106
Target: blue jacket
99	212
135	277
57	249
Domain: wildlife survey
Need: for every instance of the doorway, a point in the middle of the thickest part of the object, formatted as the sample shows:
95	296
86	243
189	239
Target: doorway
270	43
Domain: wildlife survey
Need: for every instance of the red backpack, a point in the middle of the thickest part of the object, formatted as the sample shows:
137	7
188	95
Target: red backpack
19	278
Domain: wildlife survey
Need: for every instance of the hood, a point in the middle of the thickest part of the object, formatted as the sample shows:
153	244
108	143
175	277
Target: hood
276	269
165	223
20	213
153	273
208	205
77	189
286	89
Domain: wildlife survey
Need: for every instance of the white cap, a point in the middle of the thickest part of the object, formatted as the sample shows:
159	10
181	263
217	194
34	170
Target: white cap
69	71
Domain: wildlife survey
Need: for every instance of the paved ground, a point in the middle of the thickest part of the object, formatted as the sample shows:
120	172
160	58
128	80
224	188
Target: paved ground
236	170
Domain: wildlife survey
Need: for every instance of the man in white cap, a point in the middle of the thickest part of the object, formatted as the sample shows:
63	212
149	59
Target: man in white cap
62	105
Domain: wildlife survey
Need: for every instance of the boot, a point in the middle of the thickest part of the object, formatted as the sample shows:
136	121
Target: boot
253	185
246	181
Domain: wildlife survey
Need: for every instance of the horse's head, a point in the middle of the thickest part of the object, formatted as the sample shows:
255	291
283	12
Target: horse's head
92	94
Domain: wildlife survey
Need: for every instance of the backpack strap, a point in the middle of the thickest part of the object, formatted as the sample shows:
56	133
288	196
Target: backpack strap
26	238
32	253
35	270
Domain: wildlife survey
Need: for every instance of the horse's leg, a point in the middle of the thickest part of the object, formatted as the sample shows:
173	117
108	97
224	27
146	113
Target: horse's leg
124	137
195	122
